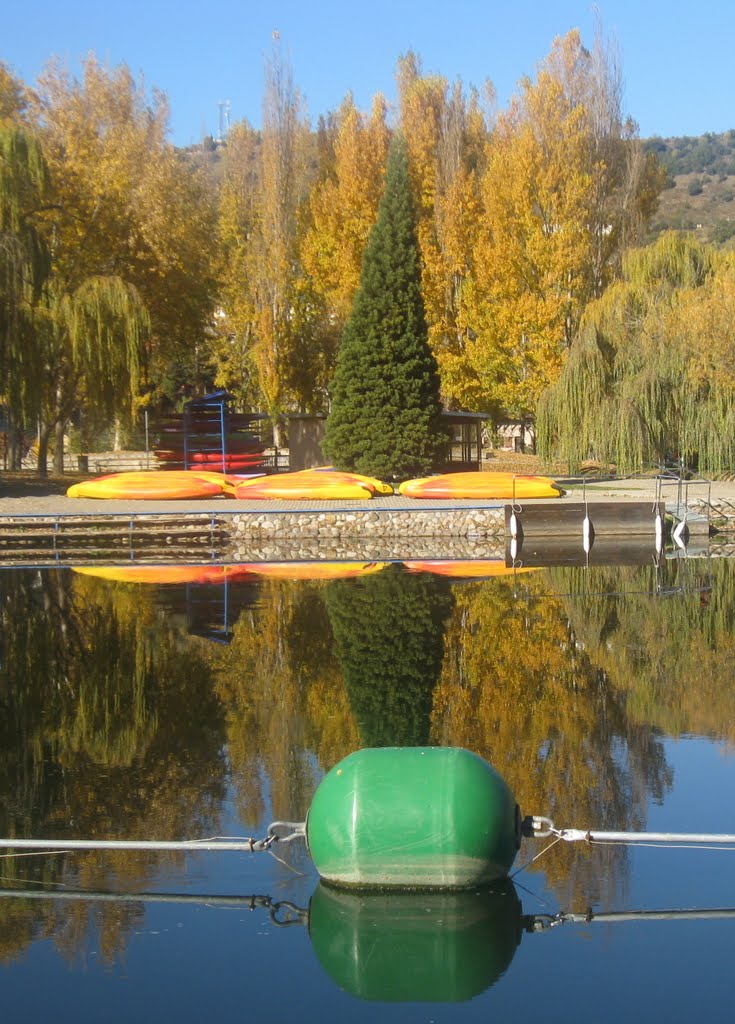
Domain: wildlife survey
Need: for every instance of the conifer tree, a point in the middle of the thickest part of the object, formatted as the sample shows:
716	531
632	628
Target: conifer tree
384	419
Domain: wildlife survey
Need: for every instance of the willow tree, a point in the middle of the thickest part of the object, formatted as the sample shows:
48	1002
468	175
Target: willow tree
122	208
94	686
643	378
24	266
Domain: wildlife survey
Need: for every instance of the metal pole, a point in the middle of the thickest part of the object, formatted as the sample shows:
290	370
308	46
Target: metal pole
579	835
126	897
239	845
718	913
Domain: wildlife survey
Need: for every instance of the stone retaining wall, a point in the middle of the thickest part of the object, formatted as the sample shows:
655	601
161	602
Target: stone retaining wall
346	524
375	549
367	535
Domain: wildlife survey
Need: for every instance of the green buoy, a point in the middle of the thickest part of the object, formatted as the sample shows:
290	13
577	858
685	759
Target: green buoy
435	947
413	818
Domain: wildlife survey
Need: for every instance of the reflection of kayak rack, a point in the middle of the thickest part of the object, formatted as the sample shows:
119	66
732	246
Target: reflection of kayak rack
211	609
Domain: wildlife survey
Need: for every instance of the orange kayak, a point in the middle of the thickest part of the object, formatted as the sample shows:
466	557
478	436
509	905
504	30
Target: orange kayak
307	485
153	485
505	486
479	568
165	573
315	570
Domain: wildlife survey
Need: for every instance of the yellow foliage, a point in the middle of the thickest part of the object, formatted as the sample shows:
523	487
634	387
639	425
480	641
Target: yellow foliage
343	206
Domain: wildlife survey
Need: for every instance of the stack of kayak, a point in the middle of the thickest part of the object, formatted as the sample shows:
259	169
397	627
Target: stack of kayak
230	462
207	433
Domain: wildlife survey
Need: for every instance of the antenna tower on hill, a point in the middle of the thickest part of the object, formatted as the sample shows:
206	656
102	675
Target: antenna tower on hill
224	120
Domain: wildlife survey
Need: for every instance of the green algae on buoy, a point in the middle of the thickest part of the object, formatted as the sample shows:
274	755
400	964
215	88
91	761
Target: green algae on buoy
436	947
413	818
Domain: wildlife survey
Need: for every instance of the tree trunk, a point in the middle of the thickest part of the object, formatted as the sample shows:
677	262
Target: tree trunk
43	439
59	428
278	431
15	447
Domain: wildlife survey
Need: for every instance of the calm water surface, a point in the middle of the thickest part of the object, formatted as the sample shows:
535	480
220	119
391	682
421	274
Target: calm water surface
606	698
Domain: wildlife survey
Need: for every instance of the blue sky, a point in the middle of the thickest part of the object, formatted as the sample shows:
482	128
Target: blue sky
676	54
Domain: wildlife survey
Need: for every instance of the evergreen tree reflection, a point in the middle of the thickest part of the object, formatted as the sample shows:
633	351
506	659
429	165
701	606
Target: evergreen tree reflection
389	639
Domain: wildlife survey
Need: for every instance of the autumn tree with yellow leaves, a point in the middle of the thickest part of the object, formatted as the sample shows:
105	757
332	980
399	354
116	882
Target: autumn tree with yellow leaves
564	190
446	135
132	234
343	206
127	232
274	330
523	218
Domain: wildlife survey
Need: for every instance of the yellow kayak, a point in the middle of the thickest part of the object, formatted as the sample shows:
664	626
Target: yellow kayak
307	484
165	573
505	486
315	570
479	568
154	485
375	485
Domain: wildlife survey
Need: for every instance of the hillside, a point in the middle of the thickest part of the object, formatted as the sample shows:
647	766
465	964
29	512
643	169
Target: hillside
701	193
700	196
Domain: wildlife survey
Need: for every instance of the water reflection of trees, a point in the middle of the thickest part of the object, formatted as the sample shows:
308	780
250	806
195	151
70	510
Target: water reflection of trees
114	723
285	703
673	658
98	737
517	688
559	692
389	640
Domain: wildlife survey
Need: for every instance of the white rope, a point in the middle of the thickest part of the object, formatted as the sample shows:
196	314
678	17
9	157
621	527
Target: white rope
661	846
69	845
534	859
541	827
37	853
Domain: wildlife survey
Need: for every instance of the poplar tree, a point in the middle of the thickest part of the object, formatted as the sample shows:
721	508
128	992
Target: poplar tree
384	419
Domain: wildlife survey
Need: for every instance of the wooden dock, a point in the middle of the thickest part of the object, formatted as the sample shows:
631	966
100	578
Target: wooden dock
605	519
